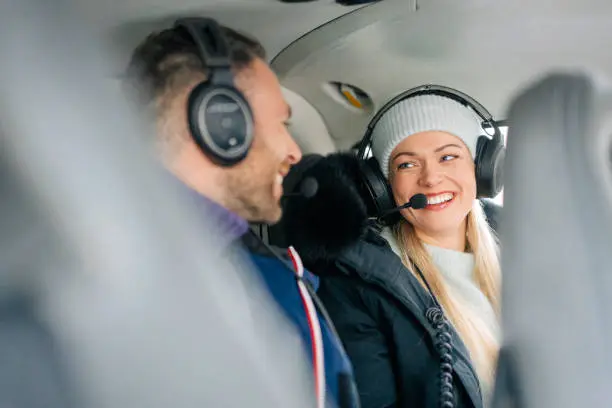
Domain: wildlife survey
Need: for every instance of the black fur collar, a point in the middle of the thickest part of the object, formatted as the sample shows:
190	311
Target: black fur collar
321	227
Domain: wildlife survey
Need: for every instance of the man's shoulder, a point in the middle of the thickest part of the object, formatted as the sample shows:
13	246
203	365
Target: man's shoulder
272	258
258	249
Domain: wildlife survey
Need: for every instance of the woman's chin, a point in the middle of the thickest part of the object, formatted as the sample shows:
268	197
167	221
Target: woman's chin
437	222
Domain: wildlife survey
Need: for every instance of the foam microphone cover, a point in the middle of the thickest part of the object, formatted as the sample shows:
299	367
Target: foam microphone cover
418	201
309	187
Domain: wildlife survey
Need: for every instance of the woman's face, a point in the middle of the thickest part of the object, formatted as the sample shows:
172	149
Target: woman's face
439	165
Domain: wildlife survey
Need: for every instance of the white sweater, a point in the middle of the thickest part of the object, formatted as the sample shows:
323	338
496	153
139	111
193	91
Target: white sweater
457	269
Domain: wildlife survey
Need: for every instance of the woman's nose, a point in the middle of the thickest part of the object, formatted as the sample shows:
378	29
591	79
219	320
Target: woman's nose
430	176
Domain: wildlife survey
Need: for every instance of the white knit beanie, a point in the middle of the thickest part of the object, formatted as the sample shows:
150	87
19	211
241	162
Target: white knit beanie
420	114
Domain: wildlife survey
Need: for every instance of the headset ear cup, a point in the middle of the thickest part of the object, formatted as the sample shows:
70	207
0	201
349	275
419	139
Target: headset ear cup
498	170
484	176
489	167
377	191
221	122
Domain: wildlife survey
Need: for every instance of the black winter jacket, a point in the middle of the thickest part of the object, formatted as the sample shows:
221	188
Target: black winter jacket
384	316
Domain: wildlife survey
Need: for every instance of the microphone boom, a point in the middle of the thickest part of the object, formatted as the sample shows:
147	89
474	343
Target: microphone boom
416	202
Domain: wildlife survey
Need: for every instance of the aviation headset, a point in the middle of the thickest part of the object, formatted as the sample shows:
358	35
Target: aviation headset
220	118
489	156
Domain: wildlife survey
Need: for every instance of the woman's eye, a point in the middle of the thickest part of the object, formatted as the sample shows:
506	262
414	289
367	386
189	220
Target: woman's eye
407	165
449	157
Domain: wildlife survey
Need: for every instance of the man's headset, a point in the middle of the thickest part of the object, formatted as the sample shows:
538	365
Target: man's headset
220	118
489	157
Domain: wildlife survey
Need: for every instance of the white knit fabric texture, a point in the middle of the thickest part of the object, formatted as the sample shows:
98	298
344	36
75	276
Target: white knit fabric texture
420	114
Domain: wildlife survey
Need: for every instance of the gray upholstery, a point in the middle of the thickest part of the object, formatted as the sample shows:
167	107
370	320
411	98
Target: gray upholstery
556	236
113	292
31	373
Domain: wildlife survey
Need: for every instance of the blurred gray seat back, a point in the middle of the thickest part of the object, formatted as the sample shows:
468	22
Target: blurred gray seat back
556	239
132	299
31	372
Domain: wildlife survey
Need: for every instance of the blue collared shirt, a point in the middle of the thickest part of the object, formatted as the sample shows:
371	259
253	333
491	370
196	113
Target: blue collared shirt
282	287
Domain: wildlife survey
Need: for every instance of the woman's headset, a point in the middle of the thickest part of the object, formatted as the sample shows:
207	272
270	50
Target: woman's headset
220	118
489	157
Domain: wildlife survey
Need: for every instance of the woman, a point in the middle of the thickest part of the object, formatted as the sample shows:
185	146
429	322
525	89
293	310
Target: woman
378	287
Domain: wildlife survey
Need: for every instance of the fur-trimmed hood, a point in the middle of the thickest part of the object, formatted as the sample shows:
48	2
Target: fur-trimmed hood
336	217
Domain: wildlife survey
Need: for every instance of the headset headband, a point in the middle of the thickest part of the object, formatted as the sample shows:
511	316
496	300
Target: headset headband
210	41
464	99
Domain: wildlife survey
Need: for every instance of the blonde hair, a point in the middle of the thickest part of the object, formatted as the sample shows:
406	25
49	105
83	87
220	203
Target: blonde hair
481	343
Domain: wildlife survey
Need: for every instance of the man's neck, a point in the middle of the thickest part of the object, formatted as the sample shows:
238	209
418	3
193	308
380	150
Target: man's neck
198	173
206	188
228	220
208	199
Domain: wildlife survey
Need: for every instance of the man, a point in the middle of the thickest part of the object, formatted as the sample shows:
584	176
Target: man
204	139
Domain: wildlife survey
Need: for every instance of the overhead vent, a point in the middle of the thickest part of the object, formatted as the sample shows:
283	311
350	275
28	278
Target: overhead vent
349	96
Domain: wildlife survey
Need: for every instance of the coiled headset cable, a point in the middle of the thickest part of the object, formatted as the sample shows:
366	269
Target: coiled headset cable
444	345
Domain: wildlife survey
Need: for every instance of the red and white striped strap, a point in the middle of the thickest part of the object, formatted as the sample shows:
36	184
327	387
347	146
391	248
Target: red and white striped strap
315	329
